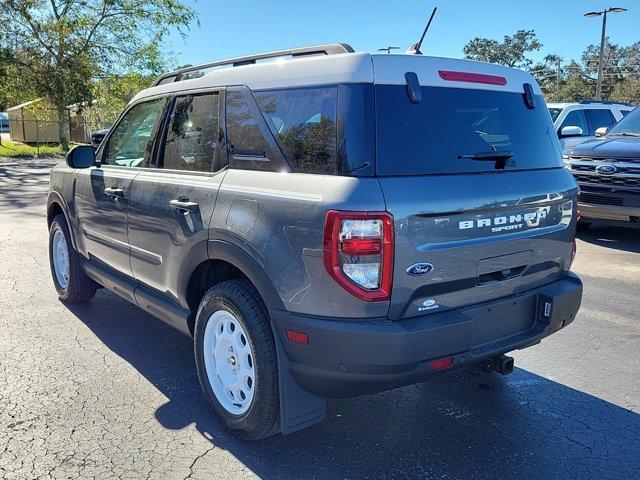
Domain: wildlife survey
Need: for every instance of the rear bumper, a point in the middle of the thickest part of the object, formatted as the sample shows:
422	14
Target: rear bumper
350	358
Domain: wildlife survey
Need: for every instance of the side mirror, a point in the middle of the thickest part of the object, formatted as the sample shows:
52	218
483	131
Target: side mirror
601	132
81	156
571	131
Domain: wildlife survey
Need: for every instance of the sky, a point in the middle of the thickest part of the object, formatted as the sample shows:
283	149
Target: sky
241	27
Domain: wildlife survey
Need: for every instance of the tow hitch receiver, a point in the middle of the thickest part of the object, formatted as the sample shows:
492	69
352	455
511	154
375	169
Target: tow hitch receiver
502	364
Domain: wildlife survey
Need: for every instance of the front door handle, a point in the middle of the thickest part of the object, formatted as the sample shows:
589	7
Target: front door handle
183	205
114	192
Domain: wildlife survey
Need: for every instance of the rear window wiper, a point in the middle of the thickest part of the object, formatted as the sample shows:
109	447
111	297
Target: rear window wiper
499	157
487	156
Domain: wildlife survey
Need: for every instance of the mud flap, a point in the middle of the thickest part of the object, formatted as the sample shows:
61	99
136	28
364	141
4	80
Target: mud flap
299	409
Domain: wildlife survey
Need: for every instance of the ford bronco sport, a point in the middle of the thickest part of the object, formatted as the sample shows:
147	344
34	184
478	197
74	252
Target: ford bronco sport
326	223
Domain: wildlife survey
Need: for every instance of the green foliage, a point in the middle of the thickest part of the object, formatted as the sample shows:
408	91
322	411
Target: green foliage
577	80
12	149
562	82
111	95
60	46
511	51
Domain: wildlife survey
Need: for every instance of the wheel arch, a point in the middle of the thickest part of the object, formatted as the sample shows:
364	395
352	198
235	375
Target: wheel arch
56	206
219	262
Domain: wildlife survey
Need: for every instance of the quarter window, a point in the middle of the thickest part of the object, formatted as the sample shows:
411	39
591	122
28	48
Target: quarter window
131	141
192	138
247	133
304	124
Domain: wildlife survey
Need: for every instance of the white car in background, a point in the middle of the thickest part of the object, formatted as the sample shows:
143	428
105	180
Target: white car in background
577	122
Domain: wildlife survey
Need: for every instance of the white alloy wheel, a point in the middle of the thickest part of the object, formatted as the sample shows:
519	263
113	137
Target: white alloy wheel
60	259
228	359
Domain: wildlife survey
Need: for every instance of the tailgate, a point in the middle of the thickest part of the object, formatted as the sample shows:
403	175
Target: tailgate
465	239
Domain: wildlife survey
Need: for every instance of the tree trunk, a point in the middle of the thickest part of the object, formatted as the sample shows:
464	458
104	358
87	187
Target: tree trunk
63	128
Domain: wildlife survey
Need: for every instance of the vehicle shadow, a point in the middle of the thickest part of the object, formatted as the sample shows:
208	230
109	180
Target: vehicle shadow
520	426
618	238
23	184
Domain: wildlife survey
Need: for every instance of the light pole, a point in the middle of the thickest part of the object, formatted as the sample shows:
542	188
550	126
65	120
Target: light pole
602	39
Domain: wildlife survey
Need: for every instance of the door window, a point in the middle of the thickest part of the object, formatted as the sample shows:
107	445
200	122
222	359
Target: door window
131	141
576	118
601	117
192	138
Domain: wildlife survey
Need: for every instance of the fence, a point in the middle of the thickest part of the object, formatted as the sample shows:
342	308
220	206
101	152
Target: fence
37	132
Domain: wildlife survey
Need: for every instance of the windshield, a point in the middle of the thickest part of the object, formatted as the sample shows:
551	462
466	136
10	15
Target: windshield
554	113
455	130
629	125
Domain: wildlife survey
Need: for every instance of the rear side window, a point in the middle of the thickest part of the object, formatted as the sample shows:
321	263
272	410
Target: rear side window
601	117
575	118
192	138
304	123
450	126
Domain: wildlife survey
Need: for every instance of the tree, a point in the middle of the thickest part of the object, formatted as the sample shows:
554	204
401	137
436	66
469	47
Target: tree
549	75
61	45
111	95
510	52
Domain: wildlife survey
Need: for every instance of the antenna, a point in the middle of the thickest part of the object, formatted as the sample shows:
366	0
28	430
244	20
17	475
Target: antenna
388	49
415	48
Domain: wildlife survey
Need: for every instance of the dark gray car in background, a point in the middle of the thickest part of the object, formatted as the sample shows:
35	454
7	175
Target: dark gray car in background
329	224
607	169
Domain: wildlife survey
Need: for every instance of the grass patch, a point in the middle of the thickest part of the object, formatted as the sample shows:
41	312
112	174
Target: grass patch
17	149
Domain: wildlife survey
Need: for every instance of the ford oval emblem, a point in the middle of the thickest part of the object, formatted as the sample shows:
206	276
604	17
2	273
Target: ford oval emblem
419	269
606	169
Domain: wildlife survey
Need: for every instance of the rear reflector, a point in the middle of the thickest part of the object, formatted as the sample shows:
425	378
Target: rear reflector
469	77
362	246
300	338
441	364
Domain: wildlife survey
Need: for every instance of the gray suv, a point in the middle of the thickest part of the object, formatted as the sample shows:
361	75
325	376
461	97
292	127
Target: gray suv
326	223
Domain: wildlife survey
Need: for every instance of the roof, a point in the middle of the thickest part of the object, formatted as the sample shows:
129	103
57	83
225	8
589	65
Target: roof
32	102
560	104
25	104
588	104
357	67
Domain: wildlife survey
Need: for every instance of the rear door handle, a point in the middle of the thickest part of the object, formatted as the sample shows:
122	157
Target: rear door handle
183	205
114	192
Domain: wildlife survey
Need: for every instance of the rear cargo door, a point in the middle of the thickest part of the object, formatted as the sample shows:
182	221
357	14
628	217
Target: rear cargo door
482	206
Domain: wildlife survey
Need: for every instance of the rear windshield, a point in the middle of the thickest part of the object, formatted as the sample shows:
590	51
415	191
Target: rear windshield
430	137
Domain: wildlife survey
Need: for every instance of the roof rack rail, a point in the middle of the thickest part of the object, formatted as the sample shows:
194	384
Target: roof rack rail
605	102
328	49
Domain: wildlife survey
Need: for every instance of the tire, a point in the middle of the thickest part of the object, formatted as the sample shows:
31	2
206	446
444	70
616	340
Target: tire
71	283
225	363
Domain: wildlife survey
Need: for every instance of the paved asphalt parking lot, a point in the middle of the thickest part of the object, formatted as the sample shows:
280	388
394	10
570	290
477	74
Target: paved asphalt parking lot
104	390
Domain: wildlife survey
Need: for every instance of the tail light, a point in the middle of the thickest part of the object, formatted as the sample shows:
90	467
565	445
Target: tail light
358	252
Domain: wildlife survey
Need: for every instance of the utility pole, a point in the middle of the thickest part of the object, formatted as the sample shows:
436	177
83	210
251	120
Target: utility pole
558	79
603	37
